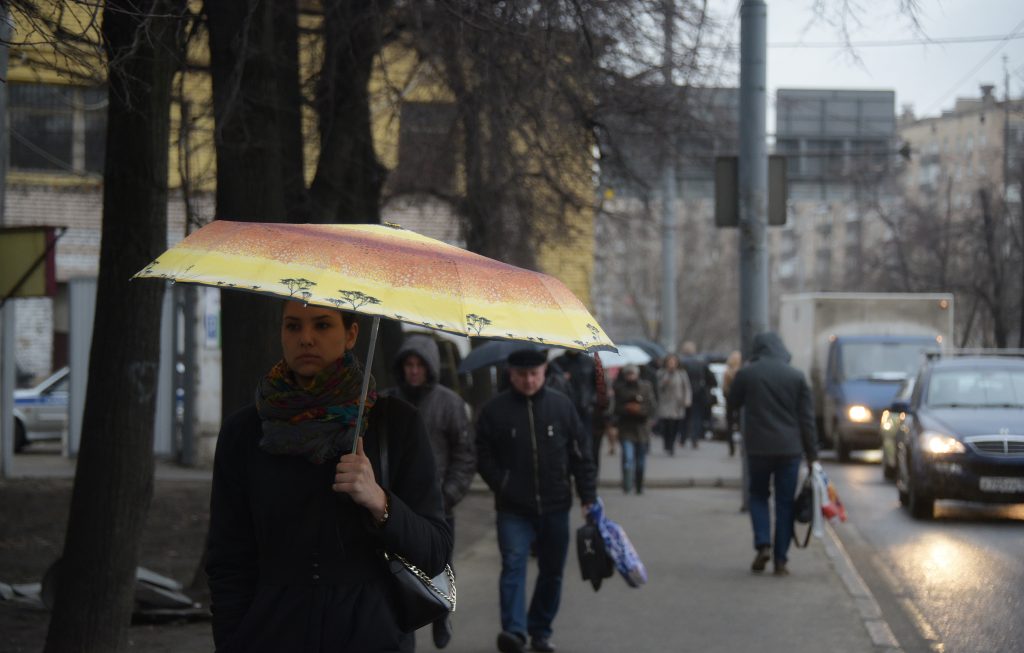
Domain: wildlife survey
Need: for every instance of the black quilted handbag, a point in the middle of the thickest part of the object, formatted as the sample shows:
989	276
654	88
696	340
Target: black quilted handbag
420	599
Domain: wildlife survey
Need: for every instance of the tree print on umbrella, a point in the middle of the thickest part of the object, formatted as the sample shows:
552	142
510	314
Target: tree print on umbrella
595	336
353	299
300	286
476	322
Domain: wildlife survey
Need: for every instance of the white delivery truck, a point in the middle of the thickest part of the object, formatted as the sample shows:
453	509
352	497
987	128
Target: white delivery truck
856	349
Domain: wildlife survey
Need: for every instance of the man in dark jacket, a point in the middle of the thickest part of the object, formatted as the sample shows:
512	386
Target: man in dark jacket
446	417
778	429
529	441
702	379
588	395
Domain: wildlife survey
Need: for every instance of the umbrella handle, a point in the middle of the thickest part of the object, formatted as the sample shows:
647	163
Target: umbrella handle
366	380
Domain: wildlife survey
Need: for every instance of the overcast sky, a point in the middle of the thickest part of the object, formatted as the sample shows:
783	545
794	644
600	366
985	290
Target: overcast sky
929	77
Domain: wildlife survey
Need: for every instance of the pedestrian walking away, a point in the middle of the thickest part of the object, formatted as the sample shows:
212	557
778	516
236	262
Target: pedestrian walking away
581	374
674	399
634	410
298	520
445	415
778	429
732	418
702	379
529	442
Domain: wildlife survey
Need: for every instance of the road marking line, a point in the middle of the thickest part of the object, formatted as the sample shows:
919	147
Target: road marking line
870	613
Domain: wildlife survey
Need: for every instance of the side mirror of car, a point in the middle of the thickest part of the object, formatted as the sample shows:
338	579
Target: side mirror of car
900	407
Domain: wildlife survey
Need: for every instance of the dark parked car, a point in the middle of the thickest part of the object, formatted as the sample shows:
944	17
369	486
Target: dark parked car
964	433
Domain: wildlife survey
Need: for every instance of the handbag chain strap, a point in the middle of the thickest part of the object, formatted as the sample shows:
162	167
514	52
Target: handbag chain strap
427	580
382	446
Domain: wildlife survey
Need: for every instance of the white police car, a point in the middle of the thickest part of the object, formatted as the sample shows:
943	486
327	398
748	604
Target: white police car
41	413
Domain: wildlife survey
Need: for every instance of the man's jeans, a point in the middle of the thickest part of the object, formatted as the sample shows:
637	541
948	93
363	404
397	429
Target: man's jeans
784	471
550	533
634	457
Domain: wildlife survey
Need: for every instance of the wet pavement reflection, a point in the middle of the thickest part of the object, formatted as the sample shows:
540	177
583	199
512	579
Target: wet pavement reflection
963	571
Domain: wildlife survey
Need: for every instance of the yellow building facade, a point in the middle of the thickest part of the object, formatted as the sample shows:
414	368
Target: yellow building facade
57	124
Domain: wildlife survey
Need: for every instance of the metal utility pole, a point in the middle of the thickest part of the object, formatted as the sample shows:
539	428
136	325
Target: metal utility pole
669	330
753	173
7	312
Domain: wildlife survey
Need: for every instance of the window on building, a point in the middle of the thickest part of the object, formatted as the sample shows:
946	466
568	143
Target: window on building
426	150
823	267
57	128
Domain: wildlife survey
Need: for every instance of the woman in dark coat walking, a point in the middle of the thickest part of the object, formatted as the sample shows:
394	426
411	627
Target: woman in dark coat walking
297	522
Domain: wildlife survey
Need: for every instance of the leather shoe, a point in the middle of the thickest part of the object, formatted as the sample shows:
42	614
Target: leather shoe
442	631
761	559
542	644
511	642
780	568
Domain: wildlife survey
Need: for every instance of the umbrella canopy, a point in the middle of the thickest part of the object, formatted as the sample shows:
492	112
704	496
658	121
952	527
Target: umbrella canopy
492	353
651	347
627	355
384	271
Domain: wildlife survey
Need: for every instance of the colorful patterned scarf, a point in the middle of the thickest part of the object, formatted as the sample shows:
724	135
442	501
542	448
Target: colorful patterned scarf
317	422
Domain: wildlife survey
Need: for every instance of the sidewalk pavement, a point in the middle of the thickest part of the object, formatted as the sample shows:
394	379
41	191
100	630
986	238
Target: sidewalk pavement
700	595
43	462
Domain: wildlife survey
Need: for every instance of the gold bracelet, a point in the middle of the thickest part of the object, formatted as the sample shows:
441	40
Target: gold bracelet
387	506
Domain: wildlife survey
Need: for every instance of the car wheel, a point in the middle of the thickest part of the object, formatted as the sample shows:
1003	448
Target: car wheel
20	439
842	449
920	506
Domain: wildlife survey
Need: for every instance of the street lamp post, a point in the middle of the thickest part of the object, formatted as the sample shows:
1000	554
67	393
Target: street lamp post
753	173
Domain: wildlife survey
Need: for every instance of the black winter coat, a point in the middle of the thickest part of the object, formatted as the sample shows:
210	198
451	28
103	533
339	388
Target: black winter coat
778	417
527	448
294	566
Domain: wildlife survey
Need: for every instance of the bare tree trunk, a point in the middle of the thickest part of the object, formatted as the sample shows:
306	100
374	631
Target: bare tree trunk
114	475
348	181
250	183
293	169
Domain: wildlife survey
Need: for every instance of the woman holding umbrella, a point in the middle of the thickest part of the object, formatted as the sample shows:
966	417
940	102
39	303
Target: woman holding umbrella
297	519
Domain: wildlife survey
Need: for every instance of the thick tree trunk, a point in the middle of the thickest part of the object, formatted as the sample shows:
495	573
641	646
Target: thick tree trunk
114	475
250	183
347	186
286	24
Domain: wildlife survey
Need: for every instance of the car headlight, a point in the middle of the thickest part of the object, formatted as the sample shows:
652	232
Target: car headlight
940	443
858	413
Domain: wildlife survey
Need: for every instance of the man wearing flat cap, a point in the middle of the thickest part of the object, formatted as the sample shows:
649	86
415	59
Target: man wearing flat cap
530	441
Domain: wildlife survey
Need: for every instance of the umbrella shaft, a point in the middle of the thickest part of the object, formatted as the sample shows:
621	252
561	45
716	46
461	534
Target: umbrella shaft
366	380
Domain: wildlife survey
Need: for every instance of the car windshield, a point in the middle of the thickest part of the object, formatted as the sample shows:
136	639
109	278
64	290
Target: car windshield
977	388
883	361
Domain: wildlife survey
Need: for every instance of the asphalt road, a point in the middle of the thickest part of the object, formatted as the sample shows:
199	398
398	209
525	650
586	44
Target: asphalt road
953	584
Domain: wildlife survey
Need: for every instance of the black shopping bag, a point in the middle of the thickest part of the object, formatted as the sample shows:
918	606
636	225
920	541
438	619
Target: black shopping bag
595	563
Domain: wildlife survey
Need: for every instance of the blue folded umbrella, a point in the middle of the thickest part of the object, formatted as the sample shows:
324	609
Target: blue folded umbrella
619	548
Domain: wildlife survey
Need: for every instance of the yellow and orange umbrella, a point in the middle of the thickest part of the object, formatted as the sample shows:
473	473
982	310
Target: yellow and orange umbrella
384	271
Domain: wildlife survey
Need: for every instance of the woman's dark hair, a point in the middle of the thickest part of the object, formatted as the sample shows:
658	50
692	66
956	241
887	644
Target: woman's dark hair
347	317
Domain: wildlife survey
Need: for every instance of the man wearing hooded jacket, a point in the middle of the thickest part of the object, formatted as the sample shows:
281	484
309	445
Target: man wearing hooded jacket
446	417
531	446
778	430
